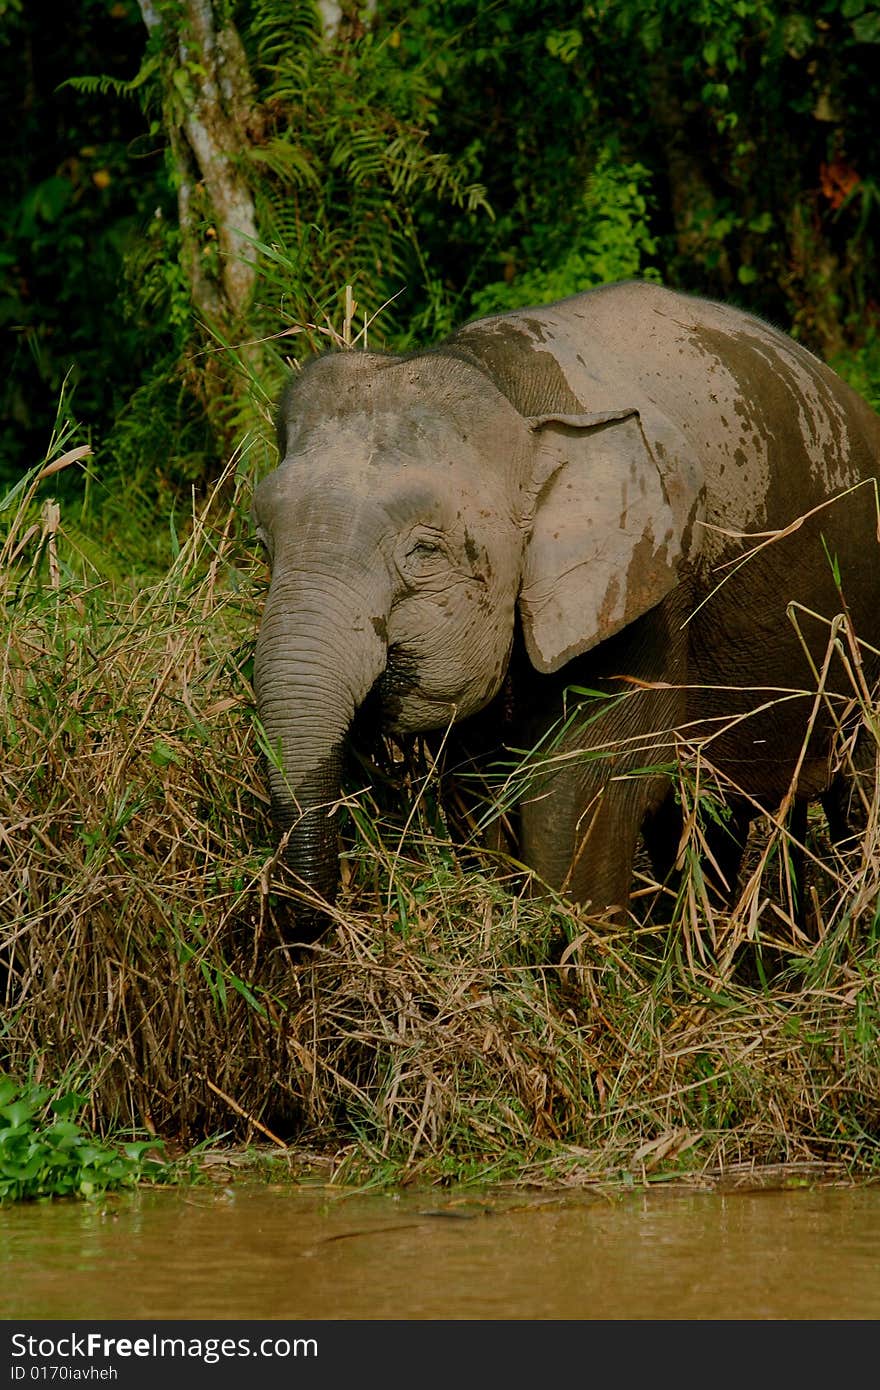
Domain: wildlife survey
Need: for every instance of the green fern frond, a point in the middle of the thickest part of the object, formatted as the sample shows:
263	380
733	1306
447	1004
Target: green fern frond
289	162
361	153
410	164
103	85
278	26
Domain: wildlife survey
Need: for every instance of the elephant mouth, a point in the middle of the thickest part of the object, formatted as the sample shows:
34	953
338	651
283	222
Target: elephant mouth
397	703
383	707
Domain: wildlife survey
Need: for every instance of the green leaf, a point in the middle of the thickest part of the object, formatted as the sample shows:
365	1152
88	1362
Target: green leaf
866	29
18	1113
180	79
63	1133
8	1088
761	224
69	1103
247	994
161	754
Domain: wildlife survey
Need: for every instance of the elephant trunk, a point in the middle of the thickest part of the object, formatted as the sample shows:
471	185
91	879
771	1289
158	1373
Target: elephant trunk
304	817
318	654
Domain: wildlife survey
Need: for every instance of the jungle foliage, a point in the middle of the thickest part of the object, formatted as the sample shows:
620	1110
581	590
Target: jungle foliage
445	159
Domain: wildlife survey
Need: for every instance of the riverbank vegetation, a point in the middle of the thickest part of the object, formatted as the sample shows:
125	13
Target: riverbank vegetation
447	1026
44	1152
396	171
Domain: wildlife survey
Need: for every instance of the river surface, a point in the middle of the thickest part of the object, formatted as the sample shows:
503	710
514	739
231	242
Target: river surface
271	1252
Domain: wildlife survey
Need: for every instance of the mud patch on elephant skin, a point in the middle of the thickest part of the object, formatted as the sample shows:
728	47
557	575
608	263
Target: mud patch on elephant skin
530	378
650	572
480	564
784	401
687	543
609	610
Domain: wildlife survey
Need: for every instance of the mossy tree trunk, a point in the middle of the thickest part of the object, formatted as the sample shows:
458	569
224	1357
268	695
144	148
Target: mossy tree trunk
212	118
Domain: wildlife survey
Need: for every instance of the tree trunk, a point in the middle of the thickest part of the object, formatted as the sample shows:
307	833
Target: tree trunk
212	117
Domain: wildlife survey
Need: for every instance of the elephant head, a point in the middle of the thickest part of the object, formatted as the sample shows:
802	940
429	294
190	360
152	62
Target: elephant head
413	511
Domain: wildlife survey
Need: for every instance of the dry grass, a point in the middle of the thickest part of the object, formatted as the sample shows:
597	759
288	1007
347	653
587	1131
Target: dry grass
448	1025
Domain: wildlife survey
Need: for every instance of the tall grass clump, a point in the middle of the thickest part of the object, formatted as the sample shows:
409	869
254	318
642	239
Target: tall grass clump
448	1024
131	895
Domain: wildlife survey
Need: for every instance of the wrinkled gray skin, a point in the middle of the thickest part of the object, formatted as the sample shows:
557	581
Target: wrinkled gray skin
542	501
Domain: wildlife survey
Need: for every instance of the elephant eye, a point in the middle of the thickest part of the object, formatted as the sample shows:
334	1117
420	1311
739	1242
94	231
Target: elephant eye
425	556
422	549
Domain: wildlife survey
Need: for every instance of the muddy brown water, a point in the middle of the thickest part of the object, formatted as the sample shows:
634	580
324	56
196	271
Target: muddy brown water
271	1252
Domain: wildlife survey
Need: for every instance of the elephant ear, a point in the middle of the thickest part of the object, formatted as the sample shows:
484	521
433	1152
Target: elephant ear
604	543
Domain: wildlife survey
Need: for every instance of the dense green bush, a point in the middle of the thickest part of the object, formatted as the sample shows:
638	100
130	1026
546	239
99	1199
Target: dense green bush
82	184
45	1152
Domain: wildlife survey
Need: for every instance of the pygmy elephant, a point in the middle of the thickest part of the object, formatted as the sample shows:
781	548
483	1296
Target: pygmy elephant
630	483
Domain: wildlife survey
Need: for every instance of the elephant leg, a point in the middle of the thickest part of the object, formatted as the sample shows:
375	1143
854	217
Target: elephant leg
848	807
605	759
580	837
795	852
581	818
723	846
793	873
661	832
848	800
468	757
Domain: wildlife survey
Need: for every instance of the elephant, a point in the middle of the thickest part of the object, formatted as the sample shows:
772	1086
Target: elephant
585	526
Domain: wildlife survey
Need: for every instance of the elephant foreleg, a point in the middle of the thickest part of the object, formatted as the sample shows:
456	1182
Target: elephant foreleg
580	822
609	759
